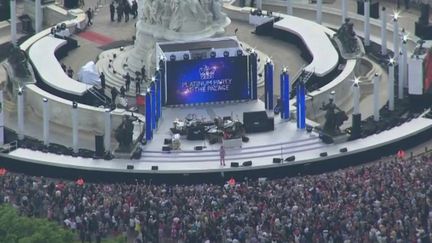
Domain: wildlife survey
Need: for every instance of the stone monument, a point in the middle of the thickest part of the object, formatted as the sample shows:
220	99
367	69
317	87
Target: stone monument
172	20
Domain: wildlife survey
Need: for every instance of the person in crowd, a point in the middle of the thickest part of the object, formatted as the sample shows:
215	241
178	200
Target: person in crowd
119	13
222	155
89	14
122	92
134	9
138	85
102	79
143	73
126	10
114	93
112	11
385	201
127	81
70	72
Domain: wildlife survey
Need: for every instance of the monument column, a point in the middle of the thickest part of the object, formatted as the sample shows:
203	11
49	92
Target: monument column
75	127
401	75
20	110
38	16
367	23
46	118
13	23
289	7
383	31
390	88
376	96
319	12
344	10
395	35
259	4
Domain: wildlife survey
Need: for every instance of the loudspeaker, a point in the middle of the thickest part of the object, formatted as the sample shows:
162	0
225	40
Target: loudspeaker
166	148
198	148
323	154
247	163
154	167
167	141
356	126
277	160
245	139
343	150
99	145
130	167
257	121
374	9
290	159
234	164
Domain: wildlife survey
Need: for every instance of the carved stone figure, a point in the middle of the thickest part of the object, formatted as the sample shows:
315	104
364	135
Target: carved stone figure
347	37
334	118
124	132
217	10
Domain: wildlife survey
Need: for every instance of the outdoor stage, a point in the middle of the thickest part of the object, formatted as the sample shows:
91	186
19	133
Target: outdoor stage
188	165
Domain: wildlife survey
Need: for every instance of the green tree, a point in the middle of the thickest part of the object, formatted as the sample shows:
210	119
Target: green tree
19	229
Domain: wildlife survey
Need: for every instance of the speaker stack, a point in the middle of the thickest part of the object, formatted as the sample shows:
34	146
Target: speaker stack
99	145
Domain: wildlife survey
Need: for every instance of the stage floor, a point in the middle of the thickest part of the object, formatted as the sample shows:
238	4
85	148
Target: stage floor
284	131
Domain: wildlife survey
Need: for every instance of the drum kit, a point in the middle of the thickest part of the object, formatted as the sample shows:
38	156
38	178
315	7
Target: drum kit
201	128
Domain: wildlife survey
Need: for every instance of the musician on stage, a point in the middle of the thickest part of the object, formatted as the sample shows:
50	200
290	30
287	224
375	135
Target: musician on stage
222	155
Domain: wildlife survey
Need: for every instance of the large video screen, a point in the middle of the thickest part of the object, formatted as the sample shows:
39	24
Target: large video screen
207	80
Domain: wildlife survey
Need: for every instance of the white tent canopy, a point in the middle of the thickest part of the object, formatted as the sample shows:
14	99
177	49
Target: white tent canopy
88	74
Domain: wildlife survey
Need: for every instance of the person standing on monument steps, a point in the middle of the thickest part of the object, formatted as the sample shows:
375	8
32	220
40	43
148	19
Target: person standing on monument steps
89	14
112	11
222	155
128	81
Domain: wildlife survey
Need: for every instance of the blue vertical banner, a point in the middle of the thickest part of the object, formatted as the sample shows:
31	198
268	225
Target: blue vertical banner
149	130
301	105
253	75
285	94
158	95
268	85
162	81
153	104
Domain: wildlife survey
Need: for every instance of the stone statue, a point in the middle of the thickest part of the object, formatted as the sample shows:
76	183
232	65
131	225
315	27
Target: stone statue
217	10
166	13
124	132
334	118
347	37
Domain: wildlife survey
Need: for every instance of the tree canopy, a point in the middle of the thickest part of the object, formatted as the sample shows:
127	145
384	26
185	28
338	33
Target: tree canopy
20	229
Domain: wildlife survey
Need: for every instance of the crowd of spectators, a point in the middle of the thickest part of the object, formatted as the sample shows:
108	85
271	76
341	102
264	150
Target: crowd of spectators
386	201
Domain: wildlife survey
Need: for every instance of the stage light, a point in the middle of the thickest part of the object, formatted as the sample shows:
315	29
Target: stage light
395	15
45	100
172	57
20	91
212	54
356	81
239	53
74	104
185	56
226	53
391	61
284	70
153	79
268	60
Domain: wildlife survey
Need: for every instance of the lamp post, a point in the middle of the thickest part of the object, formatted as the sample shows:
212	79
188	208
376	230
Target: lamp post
390	85
107	135
46	118
376	96
75	127
20	110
